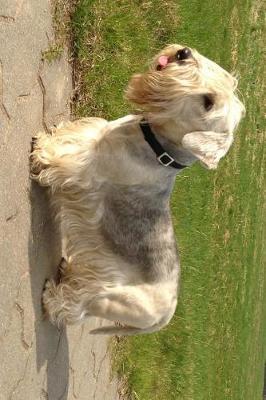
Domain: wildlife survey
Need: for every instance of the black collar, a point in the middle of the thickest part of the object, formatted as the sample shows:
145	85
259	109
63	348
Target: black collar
162	156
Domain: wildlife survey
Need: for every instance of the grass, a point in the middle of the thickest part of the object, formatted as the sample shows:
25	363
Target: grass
214	347
62	11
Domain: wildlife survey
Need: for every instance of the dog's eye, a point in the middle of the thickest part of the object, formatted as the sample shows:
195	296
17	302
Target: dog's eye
208	102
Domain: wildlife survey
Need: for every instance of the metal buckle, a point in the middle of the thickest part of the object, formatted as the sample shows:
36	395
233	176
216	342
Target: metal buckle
165	164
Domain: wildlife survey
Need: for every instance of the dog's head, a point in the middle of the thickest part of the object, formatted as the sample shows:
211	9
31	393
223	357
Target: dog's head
191	93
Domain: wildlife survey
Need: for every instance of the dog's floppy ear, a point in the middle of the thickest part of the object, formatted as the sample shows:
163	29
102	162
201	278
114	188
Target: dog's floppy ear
209	147
137	91
147	91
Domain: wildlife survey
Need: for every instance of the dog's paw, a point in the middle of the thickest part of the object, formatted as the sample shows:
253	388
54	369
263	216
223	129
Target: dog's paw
36	165
61	271
49	300
53	303
48	292
63	266
33	143
40	154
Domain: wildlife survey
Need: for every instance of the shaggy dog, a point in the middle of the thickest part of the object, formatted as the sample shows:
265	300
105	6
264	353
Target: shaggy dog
110	183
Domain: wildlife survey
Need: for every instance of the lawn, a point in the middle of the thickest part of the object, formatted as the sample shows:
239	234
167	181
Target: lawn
214	348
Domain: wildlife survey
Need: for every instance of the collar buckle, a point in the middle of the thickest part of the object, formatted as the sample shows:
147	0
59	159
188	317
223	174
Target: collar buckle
162	156
165	159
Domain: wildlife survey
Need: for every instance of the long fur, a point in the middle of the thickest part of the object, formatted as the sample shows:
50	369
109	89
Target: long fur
111	195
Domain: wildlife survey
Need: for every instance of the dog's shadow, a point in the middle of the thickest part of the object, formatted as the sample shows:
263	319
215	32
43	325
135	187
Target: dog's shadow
44	248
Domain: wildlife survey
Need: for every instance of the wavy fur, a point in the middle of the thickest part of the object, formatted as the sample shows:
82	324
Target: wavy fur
111	195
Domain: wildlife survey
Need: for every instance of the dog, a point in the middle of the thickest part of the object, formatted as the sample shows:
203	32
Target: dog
110	184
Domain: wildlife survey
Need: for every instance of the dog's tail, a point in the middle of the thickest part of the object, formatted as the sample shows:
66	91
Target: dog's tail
128	330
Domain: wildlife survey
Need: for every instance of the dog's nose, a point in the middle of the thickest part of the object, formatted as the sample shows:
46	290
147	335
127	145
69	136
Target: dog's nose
183	54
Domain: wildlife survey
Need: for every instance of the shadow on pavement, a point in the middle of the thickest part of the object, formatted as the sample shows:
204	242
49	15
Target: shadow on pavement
44	246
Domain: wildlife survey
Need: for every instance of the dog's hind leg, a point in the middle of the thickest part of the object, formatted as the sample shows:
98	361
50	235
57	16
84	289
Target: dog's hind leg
139	311
134	310
63	304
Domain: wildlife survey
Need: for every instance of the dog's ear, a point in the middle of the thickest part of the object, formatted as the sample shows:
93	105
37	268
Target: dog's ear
138	91
208	147
146	91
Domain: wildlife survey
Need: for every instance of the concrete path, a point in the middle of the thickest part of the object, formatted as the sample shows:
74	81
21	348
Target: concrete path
36	360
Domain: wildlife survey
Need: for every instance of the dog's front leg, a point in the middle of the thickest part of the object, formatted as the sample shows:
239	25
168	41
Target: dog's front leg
53	161
123	306
44	159
60	159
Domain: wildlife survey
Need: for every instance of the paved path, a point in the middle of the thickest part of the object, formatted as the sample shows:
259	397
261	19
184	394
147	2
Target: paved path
36	360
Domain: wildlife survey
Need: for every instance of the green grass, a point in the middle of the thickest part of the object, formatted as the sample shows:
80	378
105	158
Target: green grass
214	348
61	19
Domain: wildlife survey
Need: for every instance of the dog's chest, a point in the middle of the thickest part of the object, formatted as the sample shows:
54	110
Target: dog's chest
137	226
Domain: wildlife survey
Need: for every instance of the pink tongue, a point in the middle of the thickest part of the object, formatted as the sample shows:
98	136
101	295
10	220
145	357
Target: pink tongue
163	61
